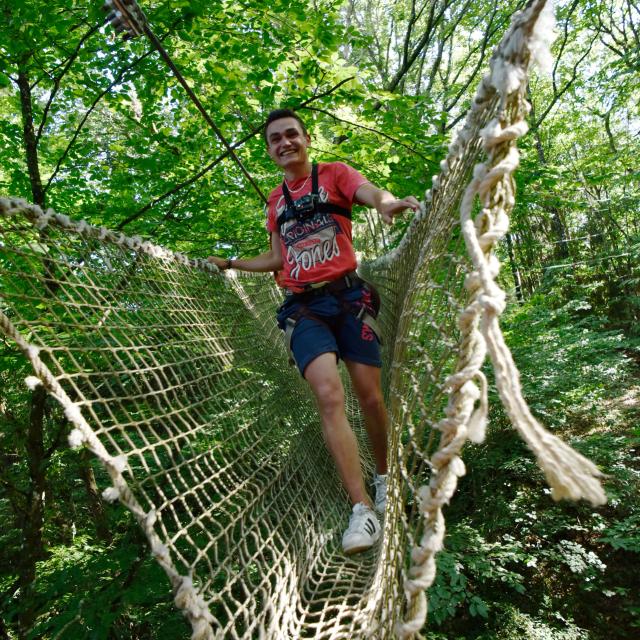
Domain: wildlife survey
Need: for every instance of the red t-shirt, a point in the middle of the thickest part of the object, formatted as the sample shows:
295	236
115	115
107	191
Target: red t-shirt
317	248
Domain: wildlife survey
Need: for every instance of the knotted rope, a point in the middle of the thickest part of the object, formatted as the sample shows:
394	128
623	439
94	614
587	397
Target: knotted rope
569	474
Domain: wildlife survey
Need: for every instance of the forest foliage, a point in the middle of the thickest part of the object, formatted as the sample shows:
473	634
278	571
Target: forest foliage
100	130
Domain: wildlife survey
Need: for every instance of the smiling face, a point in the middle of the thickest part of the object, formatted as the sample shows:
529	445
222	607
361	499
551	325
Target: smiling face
287	145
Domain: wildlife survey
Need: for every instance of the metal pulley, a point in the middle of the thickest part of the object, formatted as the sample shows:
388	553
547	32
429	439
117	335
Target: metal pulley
125	17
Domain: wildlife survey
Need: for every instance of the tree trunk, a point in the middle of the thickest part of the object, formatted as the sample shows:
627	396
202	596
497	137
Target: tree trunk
30	143
33	521
561	248
96	505
514	269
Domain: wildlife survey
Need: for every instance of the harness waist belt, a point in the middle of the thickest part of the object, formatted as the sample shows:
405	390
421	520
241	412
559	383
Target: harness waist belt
313	289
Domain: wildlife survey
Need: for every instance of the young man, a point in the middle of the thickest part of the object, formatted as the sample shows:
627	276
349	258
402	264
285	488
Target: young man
328	312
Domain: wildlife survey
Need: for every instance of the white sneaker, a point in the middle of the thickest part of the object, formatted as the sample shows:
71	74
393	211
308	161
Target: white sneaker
380	483
363	530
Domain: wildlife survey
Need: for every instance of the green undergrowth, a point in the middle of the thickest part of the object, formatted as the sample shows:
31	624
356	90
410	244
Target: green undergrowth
87	590
517	564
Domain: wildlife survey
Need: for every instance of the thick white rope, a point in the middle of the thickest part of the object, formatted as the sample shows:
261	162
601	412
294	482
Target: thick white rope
41	219
569	474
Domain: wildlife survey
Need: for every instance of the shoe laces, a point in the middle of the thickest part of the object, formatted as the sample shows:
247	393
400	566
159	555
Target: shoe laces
360	512
380	483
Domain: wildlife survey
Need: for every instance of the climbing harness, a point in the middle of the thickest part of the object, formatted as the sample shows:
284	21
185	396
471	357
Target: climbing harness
306	207
365	311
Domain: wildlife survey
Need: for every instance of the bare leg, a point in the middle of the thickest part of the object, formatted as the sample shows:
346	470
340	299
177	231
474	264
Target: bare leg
324	379
367	384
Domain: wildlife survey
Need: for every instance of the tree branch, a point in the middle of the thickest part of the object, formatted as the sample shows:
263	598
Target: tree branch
321	95
372	130
58	78
136	214
472	76
99	97
424	41
558	94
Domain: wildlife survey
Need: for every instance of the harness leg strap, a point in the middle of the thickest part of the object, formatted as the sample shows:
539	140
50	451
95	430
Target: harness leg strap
371	322
290	325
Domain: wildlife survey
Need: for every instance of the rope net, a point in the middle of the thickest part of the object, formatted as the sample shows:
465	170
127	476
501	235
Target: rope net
177	379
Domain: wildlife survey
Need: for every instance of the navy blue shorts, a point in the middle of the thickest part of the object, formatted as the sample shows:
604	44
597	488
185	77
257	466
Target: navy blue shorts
329	324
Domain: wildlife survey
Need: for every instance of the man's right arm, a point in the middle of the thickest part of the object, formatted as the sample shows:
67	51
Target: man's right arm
269	261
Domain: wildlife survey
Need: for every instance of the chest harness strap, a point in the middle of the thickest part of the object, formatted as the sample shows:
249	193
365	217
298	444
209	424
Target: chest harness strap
308	205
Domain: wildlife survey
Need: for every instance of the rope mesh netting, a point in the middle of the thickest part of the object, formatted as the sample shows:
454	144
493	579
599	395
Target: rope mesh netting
177	378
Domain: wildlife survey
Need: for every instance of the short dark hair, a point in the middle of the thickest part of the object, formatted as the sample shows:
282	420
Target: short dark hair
278	114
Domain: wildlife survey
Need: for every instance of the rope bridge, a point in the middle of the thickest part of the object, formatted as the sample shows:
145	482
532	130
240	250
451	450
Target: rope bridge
176	378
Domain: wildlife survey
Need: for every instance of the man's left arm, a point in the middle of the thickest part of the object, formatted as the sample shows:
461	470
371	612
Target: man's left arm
385	203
